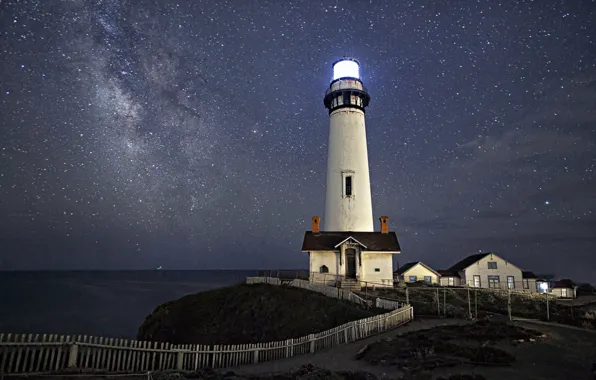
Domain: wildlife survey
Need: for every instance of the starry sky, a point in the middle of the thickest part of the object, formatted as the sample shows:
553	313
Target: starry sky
192	134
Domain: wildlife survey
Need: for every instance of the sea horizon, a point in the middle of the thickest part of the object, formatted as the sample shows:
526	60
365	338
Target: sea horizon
107	303
150	270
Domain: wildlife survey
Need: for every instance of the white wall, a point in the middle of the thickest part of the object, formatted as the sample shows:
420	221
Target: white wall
504	269
531	286
383	261
563	292
444	281
319	258
420	271
347	155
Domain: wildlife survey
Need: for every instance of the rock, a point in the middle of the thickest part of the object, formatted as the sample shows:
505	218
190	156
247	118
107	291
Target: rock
361	352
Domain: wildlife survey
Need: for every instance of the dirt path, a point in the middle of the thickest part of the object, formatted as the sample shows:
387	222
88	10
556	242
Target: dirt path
564	354
342	358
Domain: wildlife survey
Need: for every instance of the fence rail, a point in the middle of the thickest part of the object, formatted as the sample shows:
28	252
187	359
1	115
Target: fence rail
35	353
329	291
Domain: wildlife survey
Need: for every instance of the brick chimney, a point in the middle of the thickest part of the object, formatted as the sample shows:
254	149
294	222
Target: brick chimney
315	224
384	224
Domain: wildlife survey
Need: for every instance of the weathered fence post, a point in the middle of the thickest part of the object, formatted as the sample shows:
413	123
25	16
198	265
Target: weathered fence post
469	304
438	304
312	343
72	355
256	356
509	303
444	302
476	302
547	310
407	296
180	360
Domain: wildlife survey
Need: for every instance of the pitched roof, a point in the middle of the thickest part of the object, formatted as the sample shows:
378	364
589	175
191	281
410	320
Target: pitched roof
406	267
448	273
372	241
528	274
565	283
467	261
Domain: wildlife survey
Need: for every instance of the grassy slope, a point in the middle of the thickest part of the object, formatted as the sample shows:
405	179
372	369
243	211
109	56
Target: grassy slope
523	305
246	314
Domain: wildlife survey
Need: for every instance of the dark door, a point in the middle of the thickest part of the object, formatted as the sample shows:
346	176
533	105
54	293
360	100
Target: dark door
351	263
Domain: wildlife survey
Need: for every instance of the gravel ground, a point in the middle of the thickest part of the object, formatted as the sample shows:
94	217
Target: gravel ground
562	354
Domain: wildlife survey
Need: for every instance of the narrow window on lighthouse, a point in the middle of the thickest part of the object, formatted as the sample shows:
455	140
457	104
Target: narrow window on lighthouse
348	186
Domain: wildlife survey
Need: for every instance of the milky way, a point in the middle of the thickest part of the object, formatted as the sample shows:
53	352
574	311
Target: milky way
193	134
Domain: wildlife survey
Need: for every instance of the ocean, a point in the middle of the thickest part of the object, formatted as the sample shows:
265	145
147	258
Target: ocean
97	303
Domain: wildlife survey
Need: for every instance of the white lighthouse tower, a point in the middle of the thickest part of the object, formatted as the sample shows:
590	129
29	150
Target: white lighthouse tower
348	204
348	252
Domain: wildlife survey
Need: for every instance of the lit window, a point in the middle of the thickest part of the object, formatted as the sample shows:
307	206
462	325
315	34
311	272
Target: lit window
476	281
510	282
492	265
413	279
526	285
427	279
450	281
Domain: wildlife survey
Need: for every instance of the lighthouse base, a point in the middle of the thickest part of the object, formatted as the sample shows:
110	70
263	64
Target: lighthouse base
351	259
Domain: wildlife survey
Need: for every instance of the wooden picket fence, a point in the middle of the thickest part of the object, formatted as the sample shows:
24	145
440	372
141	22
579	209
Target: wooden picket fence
35	353
382	303
327	290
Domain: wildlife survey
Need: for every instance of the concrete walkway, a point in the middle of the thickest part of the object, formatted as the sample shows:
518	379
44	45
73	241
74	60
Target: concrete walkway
342	358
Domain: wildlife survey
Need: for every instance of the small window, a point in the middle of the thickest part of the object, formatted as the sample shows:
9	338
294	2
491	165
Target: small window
324	269
494	282
346	98
348	186
476	281
451	281
526	285
511	282
427	279
413	278
492	265
377	269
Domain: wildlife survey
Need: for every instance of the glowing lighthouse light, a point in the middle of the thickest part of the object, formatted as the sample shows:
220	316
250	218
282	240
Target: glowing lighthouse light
346	68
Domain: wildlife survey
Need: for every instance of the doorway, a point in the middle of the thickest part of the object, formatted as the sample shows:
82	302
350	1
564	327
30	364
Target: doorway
351	263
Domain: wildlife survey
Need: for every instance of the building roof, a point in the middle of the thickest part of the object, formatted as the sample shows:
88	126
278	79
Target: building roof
467	261
371	241
565	283
448	273
528	274
407	266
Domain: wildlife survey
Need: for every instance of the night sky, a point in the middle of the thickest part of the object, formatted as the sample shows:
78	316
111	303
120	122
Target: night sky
193	135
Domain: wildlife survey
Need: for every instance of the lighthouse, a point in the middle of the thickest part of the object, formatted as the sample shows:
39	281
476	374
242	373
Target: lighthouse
348	203
347	252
